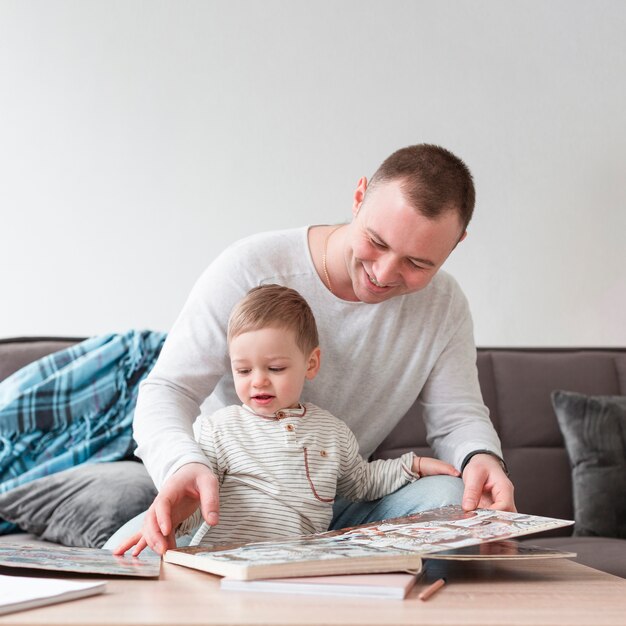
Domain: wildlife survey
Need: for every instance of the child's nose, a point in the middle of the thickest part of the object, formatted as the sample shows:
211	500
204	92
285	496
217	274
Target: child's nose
260	379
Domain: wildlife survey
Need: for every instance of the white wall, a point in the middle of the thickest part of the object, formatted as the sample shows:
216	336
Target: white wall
137	139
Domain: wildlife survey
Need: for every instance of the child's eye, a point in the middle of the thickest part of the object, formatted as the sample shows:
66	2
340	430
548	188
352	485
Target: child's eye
277	369
243	372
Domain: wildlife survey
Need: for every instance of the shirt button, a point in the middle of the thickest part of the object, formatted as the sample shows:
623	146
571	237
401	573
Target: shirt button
289	427
280	414
323	453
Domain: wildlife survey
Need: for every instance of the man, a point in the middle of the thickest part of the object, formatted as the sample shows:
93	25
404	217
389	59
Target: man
393	328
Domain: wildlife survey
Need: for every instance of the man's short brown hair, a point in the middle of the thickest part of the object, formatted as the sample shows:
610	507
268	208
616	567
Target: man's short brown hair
433	180
278	307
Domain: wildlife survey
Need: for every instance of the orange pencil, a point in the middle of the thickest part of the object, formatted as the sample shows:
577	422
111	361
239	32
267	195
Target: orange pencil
432	589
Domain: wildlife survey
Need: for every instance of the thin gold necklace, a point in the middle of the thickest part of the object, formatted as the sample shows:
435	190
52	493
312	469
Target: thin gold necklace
324	267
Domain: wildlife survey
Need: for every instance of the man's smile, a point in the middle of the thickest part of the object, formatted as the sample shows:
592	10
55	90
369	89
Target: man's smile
374	281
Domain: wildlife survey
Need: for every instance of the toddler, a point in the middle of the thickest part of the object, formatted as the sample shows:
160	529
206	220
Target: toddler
280	463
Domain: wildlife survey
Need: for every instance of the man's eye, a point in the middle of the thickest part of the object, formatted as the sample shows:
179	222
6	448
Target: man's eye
378	244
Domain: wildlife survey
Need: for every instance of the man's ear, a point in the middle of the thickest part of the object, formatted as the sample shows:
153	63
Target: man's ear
313	363
461	239
359	195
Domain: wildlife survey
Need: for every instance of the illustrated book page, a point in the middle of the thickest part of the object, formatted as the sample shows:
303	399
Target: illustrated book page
391	545
53	557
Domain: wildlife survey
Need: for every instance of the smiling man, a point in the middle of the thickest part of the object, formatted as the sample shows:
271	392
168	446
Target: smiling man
390	249
393	328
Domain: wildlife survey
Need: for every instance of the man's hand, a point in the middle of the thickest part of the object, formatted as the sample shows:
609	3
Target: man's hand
192	485
486	485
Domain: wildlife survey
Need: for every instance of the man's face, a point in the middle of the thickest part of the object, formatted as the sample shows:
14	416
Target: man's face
392	249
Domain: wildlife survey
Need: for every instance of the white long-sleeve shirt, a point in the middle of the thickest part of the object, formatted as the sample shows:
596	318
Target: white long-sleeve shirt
377	359
279	475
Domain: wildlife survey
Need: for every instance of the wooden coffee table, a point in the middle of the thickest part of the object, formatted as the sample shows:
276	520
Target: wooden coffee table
553	592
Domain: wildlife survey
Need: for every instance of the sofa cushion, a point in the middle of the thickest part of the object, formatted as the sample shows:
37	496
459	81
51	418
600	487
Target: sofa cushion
594	429
543	483
82	506
525	380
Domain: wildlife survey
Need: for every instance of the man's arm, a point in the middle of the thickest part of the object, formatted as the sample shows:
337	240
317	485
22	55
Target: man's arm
457	420
193	361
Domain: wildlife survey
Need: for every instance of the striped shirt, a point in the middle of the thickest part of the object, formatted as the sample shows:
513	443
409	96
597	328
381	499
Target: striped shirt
279	475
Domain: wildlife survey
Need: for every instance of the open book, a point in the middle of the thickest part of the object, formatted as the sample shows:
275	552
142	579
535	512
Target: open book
53	557
388	546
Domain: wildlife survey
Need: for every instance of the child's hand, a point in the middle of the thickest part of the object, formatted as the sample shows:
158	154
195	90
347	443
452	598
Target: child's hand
192	485
137	541
427	466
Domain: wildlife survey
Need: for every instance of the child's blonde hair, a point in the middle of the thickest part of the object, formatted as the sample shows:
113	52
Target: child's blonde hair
275	306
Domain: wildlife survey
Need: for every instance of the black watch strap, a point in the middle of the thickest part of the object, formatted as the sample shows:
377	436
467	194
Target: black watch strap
467	459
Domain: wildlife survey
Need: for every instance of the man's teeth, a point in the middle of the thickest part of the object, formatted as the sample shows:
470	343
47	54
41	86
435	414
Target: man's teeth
374	281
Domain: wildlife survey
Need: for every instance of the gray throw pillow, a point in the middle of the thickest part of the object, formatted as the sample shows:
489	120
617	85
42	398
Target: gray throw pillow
82	506
594	429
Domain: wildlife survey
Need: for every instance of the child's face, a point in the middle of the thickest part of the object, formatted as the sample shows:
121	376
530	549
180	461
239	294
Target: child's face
269	369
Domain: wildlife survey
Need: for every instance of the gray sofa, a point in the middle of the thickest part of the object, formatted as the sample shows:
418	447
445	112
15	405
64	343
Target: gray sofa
516	385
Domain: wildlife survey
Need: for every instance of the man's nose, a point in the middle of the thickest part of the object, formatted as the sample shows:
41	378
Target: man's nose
385	269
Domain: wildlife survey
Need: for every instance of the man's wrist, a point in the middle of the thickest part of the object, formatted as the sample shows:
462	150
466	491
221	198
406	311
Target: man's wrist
469	457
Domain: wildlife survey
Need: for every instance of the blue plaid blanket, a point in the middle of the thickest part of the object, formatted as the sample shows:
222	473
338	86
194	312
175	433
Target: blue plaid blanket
72	407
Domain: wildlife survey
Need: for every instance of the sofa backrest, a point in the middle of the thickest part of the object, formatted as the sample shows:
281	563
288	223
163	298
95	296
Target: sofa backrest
19	351
516	385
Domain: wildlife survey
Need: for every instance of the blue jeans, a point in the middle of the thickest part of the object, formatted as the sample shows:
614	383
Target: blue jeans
429	492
